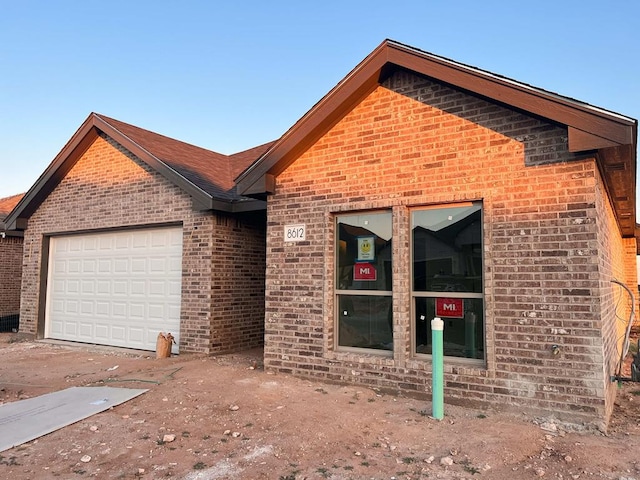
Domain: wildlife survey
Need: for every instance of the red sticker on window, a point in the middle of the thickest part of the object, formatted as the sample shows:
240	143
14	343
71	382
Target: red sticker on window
450	307
364	271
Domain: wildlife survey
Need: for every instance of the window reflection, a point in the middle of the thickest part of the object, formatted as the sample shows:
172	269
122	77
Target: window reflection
447	250
363	280
447	278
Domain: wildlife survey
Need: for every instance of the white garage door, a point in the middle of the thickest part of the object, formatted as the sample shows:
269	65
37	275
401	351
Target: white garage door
116	288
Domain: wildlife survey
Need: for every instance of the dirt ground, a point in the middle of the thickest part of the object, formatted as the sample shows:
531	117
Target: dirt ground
233	420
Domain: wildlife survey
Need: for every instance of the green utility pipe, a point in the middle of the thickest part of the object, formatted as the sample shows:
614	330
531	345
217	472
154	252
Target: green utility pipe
437	364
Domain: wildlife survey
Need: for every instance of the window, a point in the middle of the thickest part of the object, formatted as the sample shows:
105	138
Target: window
363	281
447	278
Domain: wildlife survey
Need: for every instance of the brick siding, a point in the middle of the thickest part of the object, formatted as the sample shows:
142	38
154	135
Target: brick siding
10	274
238	282
413	142
614	259
111	188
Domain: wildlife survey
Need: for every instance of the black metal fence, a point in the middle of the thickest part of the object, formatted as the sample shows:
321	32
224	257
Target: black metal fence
10	323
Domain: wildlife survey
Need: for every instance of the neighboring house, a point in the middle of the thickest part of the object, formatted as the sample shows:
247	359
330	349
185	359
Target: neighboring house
129	233
637	292
10	268
506	209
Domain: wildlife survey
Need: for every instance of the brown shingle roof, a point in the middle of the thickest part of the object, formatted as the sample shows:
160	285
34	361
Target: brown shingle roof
210	171
8	203
209	177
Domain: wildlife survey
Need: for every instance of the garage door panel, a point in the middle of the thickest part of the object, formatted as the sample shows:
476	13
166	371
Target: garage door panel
57	329
136	335
90	243
121	242
116	288
73	266
85	330
88	287
120	287
71	329
156	312
60	247
89	266
119	309
118	333
75	244
138	266
60	267
175	265
103	287
71	286
158	288
137	311
104	266
174	288
71	307
120	265
59	286
140	241
158	265
102	331
57	306
103	308
173	310
175	237
138	287
87	308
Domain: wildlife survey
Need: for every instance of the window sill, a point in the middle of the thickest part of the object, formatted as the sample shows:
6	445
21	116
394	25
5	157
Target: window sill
456	361
361	355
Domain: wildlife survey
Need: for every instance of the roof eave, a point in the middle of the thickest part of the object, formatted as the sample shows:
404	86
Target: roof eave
361	81
238	206
53	174
71	153
617	166
5	231
590	129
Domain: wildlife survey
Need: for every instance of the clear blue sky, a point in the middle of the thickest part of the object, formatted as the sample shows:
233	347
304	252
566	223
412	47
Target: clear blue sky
228	76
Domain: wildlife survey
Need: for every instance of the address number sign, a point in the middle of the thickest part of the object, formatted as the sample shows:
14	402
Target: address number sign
294	233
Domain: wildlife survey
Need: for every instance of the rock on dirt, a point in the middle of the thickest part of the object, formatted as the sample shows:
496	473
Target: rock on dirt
288	428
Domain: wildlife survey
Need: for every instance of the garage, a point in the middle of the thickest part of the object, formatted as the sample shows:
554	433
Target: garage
117	288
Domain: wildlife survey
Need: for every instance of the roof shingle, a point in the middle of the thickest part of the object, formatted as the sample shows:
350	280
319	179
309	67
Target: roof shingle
210	171
8	203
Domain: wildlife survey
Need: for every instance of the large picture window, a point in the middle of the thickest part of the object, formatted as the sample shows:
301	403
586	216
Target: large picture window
447	278
363	281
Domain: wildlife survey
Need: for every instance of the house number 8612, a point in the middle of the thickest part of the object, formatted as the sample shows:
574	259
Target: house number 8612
294	233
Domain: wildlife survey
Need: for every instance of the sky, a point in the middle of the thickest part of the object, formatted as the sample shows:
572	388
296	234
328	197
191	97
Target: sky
228	76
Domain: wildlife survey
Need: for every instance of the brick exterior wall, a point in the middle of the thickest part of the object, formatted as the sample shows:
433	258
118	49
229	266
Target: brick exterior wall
238	282
413	142
10	274
111	188
617	261
631	276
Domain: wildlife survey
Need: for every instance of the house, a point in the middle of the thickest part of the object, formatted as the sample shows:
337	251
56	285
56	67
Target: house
128	233
10	268
419	187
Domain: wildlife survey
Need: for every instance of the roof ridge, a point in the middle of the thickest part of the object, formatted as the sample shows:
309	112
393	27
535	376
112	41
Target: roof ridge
108	119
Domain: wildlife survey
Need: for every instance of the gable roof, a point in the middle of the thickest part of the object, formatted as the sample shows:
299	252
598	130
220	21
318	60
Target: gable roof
613	137
205	175
6	205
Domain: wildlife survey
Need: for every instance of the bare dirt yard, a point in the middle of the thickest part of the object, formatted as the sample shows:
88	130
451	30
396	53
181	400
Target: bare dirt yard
224	417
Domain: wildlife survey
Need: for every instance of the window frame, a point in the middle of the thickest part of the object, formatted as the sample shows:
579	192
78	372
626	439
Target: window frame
337	292
414	294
